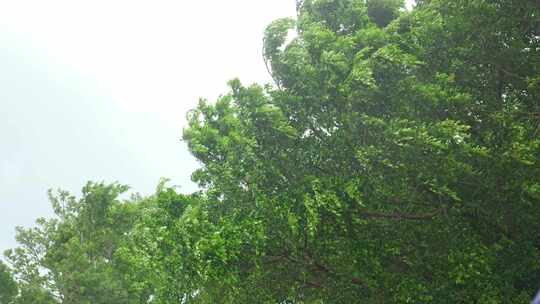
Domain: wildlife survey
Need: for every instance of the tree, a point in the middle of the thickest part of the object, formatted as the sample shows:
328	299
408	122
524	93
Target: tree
8	287
395	160
72	257
161	251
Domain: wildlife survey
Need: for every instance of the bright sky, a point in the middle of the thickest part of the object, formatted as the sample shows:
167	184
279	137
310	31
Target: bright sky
98	90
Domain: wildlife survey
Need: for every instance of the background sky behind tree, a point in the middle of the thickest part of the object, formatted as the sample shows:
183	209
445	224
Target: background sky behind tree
99	90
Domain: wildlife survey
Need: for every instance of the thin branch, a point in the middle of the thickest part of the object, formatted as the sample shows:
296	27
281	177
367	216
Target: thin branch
266	64
402	216
508	73
323	268
312	284
308	260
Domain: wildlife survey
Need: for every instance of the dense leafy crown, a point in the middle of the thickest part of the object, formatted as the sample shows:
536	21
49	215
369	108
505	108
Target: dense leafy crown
395	159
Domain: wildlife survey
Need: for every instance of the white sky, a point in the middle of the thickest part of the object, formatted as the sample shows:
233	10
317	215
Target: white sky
94	90
98	90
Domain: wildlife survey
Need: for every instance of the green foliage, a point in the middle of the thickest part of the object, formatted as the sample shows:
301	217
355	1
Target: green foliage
8	287
72	257
394	161
382	12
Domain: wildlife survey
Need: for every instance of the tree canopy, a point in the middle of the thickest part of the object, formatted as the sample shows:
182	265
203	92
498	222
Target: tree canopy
395	159
8	286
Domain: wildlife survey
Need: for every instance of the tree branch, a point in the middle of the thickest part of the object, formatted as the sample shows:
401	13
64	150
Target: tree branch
327	270
401	216
308	260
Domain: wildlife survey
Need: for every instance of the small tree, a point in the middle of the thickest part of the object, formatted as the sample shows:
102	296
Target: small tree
8	287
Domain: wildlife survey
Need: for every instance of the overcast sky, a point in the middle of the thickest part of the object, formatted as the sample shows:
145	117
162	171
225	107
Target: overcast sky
98	90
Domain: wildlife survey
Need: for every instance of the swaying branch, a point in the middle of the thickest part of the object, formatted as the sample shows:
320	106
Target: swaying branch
308	260
267	65
401	216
